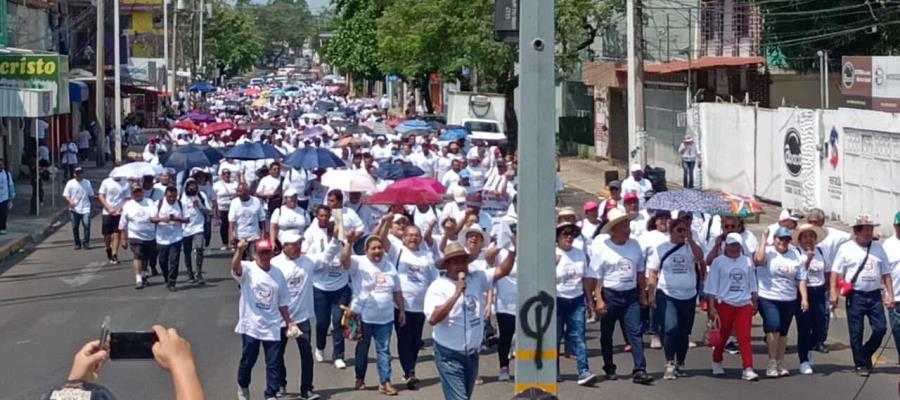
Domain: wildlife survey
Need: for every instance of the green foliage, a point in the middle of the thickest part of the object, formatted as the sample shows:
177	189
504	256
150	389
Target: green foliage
230	40
354	48
283	24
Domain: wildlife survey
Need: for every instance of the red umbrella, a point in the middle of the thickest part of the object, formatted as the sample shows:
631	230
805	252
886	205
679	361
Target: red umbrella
393	122
187	125
419	183
405	196
216	127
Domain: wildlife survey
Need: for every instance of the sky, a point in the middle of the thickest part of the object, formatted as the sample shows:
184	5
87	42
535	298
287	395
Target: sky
314	5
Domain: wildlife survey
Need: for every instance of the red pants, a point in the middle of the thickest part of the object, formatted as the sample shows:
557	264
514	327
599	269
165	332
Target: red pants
739	318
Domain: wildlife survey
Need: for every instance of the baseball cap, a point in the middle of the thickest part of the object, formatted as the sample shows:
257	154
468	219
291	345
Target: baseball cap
615	185
786	215
264	245
136	186
565	212
289	236
464	174
897	218
635	167
783	232
630	196
290	192
79	169
733	238
593	205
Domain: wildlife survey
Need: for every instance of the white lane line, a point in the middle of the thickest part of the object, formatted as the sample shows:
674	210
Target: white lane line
86	275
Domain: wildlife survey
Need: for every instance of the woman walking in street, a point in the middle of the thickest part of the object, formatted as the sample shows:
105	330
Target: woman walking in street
782	281
811	325
571	265
673	269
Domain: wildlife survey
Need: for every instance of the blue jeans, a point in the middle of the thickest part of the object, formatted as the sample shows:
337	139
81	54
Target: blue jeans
688	167
811	324
457	371
572	312
306	358
249	354
327	307
895	326
623	307
79	220
777	314
409	340
678	317
382	335
859	306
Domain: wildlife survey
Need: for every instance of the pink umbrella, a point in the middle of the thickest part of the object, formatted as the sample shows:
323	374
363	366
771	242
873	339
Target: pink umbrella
419	183
405	196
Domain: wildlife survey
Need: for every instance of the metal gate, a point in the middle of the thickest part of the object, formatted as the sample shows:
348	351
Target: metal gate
665	113
871	173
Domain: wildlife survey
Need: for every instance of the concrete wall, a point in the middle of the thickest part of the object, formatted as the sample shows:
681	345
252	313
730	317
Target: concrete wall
802	90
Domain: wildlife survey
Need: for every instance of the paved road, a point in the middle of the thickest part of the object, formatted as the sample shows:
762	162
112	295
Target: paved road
53	300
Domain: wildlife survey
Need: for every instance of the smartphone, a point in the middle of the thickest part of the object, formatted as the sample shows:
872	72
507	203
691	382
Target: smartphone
104	333
131	345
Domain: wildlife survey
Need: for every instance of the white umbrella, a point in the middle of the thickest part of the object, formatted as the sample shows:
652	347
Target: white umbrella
347	180
136	170
311	116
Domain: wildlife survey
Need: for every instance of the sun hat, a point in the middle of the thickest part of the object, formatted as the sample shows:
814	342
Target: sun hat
591	206
475	228
787	215
688	138
560	227
565	212
616	216
734	238
820	233
864	220
783	232
453	250
459	195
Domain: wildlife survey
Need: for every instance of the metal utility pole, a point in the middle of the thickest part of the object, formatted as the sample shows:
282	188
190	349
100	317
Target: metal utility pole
825	83
100	88
536	329
117	70
636	132
166	41
200	55
174	71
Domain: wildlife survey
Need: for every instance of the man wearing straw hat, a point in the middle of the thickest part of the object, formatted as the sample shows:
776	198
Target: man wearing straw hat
454	306
861	265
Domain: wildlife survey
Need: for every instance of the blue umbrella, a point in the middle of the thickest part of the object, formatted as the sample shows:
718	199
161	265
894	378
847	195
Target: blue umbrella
454	134
397	171
413	124
186	158
313	158
292	89
253	151
689	200
202	87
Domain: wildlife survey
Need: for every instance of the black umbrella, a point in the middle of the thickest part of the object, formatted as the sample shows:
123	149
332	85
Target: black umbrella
253	151
186	158
313	158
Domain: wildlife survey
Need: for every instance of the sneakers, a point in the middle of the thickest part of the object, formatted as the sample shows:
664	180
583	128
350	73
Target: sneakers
340	364
772	369
412	382
749	375
821	348
223	248
680	372
805	369
282	392
359	385
200	280
387	389
862	372
171	287
641	378
320	356
669	375
655	342
782	371
309	395
717	369
732	347
503	376
243	394
586	378
192	278
692	344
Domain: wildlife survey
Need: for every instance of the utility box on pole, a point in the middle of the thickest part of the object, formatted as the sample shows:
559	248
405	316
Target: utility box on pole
536	313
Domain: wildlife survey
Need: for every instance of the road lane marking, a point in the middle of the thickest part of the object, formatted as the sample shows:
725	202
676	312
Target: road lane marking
86	275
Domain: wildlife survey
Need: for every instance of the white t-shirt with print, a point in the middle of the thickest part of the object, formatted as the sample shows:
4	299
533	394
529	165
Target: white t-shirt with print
116	193
782	274
570	270
80	193
731	280
891	248
332	276
506	290
136	217
168	232
677	273
817	268
848	259
298	275
262	293
196	215
225	193
416	270
374	285
616	266
289	220
247	215
463	329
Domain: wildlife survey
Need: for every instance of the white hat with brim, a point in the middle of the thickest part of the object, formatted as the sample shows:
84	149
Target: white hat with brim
453	250
485	240
820	233
616	216
459	195
635	168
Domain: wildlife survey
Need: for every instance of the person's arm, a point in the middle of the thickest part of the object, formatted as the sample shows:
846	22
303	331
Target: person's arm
105	204
889	291
236	258
589	285
88	362
700	264
652	279
715	250
429	239
401	312
383	229
347	251
273	225
642	292
804	296
760	259
174	354
505	266
441	312
285	315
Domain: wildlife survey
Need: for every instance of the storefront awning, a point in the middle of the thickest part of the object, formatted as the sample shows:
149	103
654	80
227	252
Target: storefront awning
78	91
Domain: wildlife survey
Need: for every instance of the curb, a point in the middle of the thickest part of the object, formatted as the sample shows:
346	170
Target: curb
20	243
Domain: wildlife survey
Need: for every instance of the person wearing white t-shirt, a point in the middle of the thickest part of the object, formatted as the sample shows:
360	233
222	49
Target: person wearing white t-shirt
454	306
415	271
637	183
141	232
246	216
168	215
377	292
262	311
618	265
571	266
348	219
78	193
834	238
451	177
811	324
782	281
732	292
862	264
892	251
673	268
656	234
270	188
226	191
197	206
290	218
113	194
298	271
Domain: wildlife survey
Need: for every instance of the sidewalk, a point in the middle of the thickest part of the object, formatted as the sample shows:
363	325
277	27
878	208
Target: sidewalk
23	228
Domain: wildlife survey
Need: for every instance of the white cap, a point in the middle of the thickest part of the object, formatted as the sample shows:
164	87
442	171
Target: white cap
290	192
734	238
400	217
459	195
636	167
289	236
786	215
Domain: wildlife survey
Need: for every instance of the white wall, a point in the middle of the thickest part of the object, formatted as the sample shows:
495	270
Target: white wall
769	156
726	136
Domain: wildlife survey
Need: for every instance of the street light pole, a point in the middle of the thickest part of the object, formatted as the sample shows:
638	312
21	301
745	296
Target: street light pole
117	70
636	132
100	87
536	331
200	55
166	41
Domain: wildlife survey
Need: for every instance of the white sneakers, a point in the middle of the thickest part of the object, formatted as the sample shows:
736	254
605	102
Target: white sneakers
669	375
655	342
243	394
340	364
772	369
320	356
806	369
717	369
749	375
782	371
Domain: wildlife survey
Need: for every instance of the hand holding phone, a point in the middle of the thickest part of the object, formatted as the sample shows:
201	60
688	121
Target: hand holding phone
131	345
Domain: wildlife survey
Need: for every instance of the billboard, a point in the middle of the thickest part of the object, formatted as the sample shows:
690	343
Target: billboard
871	83
32	71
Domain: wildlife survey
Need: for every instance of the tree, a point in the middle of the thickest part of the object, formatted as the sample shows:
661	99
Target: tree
353	47
282	25
795	30
230	42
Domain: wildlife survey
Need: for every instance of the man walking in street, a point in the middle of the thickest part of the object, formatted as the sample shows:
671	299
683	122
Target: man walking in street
84	144
78	193
68	157
196	208
7	194
141	232
861	264
892	249
113	195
